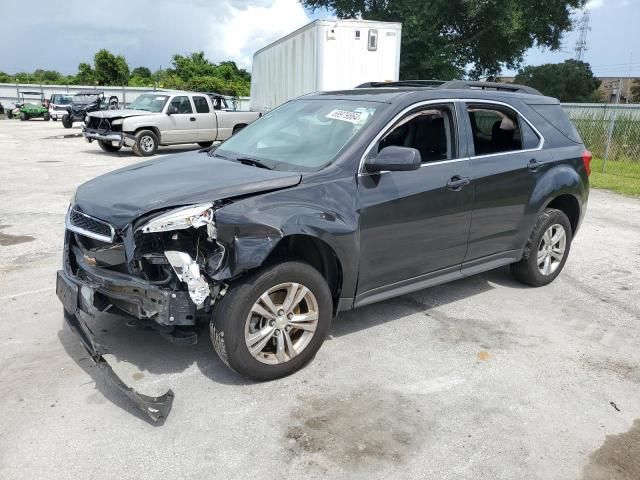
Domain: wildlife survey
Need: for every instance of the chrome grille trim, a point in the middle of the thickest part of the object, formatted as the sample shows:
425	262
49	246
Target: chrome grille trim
84	229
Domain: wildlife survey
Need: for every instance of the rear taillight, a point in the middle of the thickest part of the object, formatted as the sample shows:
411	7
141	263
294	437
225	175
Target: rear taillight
586	159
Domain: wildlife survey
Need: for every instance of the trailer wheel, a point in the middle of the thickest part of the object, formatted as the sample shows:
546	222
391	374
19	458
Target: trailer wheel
66	121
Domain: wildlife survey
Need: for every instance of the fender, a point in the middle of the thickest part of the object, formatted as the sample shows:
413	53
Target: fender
559	180
251	228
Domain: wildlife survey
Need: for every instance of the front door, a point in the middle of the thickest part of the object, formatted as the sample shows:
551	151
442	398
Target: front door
181	126
416	223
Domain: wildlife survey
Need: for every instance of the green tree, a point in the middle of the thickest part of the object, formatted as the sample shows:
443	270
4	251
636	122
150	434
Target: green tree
570	81
447	38
635	92
47	76
86	75
5	77
142	72
110	69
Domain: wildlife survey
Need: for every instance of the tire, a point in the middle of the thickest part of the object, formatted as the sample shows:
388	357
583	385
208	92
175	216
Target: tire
66	121
23	117
537	268
55	119
146	143
46	117
108	146
232	323
205	144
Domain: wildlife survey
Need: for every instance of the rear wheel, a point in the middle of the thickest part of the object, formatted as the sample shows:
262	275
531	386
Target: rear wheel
547	249
46	117
108	146
273	323
66	121
146	143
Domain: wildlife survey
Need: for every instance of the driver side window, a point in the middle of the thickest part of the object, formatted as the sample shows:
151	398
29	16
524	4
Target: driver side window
182	104
430	130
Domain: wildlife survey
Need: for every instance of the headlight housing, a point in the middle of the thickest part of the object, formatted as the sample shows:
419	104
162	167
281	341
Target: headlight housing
195	216
117	121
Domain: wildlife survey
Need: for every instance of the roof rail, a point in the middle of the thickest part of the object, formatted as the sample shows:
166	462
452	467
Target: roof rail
502	87
455	84
404	83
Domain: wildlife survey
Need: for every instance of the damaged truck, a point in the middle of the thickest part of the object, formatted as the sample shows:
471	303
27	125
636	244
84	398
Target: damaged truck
329	202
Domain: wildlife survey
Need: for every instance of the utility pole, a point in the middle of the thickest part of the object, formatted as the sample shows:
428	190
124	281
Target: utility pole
629	79
583	28
612	124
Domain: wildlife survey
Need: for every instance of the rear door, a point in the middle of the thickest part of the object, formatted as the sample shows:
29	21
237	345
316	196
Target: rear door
506	162
205	118
415	224
181	126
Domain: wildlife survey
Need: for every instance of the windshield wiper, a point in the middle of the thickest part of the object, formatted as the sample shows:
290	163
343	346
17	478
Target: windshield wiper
253	162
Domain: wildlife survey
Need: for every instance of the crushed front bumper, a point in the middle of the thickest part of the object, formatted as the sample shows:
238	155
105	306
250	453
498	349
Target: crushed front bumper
68	291
116	138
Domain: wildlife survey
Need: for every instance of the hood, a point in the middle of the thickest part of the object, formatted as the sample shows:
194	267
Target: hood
123	195
119	113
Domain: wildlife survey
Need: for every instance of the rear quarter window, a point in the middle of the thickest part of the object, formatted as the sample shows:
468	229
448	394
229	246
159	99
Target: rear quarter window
558	118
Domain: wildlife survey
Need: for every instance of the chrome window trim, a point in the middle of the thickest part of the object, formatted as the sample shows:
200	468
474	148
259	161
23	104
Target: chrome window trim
96	236
387	128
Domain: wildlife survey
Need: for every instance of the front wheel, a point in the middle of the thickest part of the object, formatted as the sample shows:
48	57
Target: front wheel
205	144
24	117
108	146
46	117
66	121
272	323
547	249
146	143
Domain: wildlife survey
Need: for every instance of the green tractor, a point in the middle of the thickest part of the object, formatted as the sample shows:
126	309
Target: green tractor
27	110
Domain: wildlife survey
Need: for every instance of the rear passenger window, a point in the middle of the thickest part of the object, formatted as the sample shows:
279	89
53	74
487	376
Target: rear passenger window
431	131
494	129
182	104
201	104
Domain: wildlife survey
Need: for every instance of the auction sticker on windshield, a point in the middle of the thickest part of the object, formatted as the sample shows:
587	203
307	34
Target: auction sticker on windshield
345	116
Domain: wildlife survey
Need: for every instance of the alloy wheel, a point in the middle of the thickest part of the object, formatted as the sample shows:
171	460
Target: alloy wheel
281	323
147	143
551	249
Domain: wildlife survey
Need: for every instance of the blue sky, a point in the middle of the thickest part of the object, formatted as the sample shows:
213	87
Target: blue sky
613	41
59	34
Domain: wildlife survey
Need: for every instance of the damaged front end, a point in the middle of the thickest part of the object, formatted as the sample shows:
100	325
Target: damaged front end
158	270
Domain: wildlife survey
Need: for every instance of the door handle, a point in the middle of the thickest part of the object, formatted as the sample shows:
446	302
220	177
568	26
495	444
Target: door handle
534	165
193	119
456	183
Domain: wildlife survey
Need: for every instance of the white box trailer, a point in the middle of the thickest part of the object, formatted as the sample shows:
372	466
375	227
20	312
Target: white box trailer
325	55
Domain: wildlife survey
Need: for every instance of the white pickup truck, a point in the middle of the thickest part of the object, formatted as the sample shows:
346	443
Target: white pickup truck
165	118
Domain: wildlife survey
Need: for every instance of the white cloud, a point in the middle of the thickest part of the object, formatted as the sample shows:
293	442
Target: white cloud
593	4
251	28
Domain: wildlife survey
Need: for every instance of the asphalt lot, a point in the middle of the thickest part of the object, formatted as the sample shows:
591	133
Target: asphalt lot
478	379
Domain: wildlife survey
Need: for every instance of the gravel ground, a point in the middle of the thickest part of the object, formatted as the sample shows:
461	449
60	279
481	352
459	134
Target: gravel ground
480	378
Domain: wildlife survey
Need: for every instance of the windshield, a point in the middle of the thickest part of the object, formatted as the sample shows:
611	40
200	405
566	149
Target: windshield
302	135
149	102
61	99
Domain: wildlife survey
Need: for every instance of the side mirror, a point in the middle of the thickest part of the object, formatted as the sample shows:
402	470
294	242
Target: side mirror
172	110
394	159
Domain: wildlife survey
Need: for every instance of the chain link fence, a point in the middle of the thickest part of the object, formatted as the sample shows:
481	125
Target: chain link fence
612	134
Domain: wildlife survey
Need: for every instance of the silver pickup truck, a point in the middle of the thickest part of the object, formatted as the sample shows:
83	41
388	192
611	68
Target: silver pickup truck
165	118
